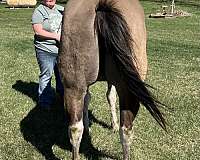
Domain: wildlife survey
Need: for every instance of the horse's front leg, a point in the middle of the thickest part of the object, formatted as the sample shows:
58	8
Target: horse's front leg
74	102
112	98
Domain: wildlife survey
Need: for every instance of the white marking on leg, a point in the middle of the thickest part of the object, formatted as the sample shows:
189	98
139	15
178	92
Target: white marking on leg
112	98
125	138
75	134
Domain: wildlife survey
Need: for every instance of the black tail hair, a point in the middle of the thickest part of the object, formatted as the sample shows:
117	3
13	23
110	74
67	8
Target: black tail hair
114	37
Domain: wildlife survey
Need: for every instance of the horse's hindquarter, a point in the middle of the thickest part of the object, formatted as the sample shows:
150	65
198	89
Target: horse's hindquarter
133	14
79	57
135	19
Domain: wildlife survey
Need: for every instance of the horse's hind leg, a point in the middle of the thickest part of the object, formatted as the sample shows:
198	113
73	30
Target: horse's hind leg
74	102
128	111
112	97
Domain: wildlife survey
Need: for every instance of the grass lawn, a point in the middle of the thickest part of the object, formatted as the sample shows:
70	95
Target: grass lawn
27	133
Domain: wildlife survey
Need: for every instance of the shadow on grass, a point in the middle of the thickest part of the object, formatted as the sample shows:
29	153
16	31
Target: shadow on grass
93	119
43	129
27	88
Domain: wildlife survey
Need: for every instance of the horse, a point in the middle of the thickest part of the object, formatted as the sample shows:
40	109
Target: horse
105	40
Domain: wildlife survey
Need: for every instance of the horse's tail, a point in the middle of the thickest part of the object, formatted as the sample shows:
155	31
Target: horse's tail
115	39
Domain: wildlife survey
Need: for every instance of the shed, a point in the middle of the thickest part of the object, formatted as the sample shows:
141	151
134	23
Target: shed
21	3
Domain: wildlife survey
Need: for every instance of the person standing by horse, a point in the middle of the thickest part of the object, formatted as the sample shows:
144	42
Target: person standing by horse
46	24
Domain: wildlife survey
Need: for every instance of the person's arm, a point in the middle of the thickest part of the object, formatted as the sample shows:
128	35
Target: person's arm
39	31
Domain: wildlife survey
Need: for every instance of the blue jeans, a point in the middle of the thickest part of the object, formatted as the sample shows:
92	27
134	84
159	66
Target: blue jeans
47	64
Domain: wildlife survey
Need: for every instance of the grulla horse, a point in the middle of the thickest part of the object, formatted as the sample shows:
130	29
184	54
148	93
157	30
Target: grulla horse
105	40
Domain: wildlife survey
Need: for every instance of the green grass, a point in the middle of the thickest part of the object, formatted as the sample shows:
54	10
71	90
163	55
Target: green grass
26	133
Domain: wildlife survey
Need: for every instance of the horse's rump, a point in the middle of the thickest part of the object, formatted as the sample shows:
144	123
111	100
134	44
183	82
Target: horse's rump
81	45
